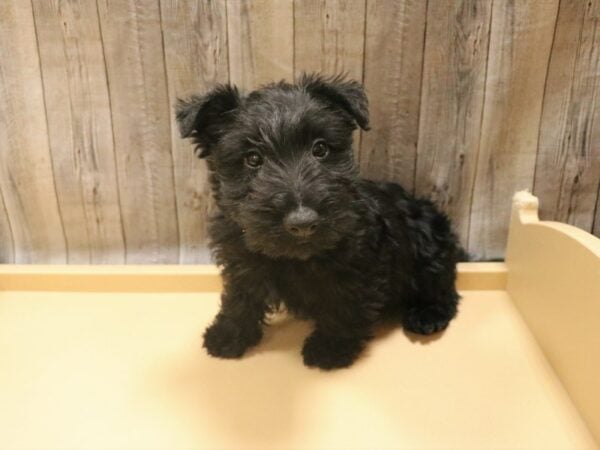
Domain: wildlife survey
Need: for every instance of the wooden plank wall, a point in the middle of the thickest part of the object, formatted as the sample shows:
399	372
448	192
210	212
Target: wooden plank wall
470	101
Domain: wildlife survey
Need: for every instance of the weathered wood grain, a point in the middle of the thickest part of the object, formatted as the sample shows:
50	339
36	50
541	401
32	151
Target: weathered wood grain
520	41
393	63
195	37
7	245
26	178
456	54
135	64
261	41
80	129
596	228
568	161
470	101
329	37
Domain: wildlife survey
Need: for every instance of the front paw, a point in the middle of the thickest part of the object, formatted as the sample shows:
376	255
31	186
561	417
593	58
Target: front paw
428	319
329	352
227	339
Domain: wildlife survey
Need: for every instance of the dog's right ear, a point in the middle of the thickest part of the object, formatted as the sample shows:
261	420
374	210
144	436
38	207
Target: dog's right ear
205	118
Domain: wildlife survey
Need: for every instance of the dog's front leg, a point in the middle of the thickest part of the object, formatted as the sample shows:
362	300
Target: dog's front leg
237	327
336	343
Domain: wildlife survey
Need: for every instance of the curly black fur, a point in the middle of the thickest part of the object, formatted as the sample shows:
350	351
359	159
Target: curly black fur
372	251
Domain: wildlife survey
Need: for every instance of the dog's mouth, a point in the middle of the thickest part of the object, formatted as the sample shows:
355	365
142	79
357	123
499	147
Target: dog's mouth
304	248
299	248
283	245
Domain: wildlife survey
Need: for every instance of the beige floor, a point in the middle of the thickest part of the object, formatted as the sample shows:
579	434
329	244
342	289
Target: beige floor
127	371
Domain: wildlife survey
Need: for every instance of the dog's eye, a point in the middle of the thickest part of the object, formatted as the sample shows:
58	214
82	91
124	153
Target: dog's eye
253	160
320	149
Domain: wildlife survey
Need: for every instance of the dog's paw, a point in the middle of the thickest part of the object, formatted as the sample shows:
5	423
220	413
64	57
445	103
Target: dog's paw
327	352
428	319
226	339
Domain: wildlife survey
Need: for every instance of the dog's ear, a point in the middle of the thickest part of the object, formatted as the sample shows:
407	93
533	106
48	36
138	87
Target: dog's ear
348	95
205	118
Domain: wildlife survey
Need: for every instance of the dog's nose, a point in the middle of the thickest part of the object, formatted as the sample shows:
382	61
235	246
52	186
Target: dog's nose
301	222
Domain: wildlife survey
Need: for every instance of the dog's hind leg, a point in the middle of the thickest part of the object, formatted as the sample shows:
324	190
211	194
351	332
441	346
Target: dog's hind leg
432	305
430	300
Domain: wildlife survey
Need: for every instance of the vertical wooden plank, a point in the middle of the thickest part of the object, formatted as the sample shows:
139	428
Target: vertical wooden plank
7	254
26	178
329	37
568	162
261	41
456	52
596	228
520	41
80	129
195	37
135	63
393	64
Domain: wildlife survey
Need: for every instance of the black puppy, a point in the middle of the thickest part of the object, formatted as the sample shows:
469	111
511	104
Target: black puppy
297	226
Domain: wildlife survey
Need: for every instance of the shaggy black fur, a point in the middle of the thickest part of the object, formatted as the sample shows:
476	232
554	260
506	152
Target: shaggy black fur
297	226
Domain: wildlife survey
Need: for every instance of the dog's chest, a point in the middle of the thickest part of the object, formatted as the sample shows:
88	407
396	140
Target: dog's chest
306	289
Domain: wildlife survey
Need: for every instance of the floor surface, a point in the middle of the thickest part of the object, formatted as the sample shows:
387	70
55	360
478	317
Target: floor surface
111	370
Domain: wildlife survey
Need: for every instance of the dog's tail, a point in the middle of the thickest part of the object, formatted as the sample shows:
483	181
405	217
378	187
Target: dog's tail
462	255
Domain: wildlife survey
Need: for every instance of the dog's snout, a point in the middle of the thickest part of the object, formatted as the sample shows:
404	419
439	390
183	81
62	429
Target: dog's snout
301	222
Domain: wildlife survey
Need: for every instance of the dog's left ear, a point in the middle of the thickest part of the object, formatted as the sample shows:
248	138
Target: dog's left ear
206	118
349	95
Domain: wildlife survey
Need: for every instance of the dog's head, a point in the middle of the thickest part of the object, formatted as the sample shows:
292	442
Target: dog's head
281	160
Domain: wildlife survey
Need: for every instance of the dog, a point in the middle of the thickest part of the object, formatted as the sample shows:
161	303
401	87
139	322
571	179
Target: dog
298	227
